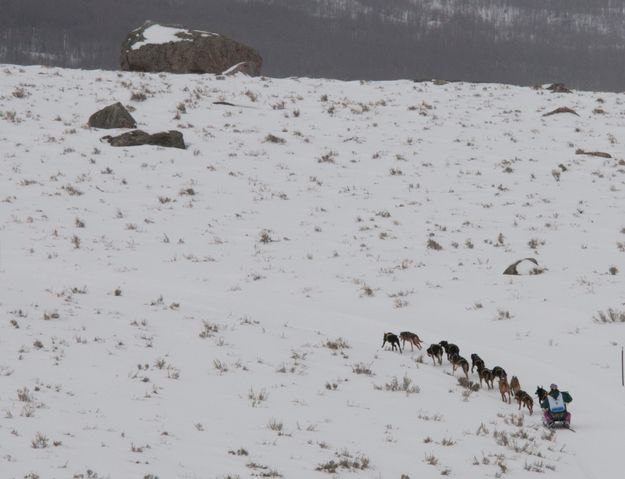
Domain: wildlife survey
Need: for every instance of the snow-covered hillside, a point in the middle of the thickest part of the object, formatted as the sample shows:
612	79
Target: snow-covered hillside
218	311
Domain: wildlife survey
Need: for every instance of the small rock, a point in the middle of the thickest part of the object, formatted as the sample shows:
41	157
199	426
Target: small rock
525	266
168	139
113	116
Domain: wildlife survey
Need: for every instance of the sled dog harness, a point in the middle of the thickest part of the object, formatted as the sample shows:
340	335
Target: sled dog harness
556	404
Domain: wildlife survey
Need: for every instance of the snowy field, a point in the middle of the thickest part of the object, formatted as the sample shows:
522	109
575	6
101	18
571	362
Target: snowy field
218	312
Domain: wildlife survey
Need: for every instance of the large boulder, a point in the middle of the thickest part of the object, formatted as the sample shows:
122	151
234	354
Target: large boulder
113	116
168	139
168	48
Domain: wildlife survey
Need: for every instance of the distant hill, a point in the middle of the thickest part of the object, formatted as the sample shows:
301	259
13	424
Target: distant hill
580	42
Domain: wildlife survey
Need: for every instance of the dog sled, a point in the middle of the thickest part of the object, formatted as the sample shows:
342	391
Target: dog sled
558	421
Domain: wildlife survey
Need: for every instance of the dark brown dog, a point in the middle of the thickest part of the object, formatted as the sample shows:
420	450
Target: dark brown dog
541	393
393	340
525	399
476	361
499	372
435	351
450	349
486	375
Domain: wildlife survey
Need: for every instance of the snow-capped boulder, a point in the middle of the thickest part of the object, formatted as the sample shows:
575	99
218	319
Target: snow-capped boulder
168	139
113	116
526	266
166	48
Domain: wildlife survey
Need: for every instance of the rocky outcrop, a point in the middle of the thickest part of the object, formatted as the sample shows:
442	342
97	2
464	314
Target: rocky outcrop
113	116
558	88
167	48
525	266
168	139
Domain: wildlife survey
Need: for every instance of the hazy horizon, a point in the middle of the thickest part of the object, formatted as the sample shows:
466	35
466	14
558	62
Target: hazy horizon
521	42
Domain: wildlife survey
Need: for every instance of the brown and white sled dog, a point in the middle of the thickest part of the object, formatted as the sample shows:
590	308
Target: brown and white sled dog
504	389
515	385
459	362
412	338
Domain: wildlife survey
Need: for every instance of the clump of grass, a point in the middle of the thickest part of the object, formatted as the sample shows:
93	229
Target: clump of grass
138	96
503	314
427	417
467	384
219	366
344	461
336	344
405	385
40	441
275	425
239	452
71	190
265	236
482	430
24	395
610	316
433	244
208	329
187	192
329	157
367	290
274	139
257	398
362	368
501	438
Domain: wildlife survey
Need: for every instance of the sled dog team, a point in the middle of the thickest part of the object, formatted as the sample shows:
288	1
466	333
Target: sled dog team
553	410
